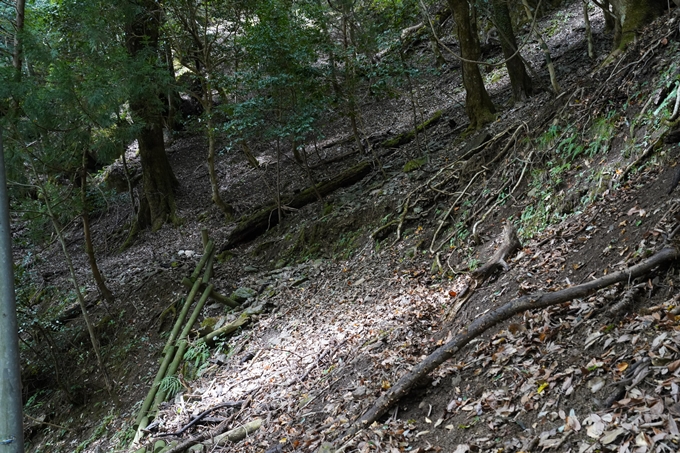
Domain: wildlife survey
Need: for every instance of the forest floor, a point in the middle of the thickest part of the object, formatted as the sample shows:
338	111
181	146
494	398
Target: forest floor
344	315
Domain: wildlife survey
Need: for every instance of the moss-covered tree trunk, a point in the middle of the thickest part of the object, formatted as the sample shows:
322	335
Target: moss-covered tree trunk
478	105
519	79
159	182
633	14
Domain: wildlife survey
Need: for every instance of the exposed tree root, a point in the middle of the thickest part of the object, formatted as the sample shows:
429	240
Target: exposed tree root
482	324
509	245
627	299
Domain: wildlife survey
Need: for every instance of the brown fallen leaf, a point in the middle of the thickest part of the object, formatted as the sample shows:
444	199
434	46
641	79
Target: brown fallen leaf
673	366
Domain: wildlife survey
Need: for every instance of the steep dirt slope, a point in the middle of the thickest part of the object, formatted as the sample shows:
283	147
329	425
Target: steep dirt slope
346	316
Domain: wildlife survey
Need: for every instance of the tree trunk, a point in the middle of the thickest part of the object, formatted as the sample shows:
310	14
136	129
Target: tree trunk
531	15
58	229
226	209
18	45
87	232
158	180
478	105
633	14
141	39
519	79
589	31
609	20
173	99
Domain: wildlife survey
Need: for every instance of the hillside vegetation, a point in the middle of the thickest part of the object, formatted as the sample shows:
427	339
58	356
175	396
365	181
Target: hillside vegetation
296	226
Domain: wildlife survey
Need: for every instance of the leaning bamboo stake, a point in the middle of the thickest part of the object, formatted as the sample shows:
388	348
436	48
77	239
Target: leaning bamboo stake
207	275
142	421
204	259
221	298
483	323
182	316
182	343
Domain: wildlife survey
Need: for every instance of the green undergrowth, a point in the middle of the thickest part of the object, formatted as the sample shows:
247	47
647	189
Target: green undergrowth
570	156
579	162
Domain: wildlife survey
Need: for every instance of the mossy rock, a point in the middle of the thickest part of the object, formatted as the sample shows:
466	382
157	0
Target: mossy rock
414	164
243	294
225	256
208	325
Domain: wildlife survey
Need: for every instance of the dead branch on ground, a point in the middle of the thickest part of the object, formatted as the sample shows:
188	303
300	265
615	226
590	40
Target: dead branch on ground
200	417
482	324
221	428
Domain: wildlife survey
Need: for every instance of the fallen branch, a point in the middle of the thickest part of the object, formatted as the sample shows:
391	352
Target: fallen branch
229	328
634	375
497	197
448	213
221	428
200	417
236	434
628	298
408	136
483	323
656	143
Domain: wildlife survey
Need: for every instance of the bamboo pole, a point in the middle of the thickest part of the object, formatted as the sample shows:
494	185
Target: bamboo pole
182	343
169	351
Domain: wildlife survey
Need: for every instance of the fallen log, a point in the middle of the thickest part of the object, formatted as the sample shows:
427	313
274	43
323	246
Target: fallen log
250	227
233	326
406	137
200	417
236	434
483	323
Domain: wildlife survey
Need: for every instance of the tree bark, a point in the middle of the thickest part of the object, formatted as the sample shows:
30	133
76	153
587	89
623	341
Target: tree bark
478	105
17	55
159	182
519	79
158	179
226	209
531	14
609	20
633	14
